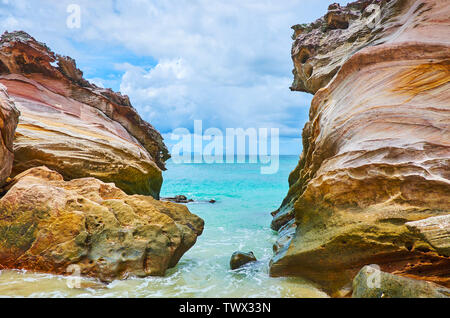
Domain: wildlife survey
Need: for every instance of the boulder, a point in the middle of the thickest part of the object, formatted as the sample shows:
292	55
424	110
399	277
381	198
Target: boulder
239	259
48	224
373	283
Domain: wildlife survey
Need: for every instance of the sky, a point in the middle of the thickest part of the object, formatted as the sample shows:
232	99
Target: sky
225	62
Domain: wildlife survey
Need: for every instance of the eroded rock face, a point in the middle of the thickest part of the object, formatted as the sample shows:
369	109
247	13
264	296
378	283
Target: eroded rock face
9	116
376	150
239	259
74	127
48	224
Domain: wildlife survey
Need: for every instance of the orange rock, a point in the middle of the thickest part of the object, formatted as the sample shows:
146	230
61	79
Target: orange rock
376	148
48	224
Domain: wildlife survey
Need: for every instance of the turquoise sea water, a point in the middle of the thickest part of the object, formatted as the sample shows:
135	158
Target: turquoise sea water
239	220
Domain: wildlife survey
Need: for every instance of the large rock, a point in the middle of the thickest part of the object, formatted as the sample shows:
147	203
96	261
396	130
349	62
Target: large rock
373	283
74	127
48	224
435	231
9	116
239	259
376	149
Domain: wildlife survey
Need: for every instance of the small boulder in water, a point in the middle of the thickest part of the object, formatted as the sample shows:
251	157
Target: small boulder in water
239	259
178	199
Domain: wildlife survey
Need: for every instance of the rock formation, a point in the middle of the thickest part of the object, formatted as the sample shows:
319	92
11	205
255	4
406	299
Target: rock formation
9	116
48	224
74	127
373	182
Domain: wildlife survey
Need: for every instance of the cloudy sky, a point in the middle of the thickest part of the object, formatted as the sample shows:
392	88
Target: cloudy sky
226	62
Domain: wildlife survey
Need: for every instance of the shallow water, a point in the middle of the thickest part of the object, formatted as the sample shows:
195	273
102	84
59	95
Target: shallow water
238	221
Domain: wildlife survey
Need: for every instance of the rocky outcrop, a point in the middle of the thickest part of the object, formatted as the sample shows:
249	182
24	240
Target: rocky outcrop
373	283
48	224
9	116
74	127
435	231
372	184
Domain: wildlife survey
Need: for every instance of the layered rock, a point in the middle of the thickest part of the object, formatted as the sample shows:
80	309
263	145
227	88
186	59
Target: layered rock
376	149
48	224
74	127
9	116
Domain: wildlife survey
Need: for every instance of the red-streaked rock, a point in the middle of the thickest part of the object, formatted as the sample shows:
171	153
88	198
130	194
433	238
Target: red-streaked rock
9	116
75	127
376	149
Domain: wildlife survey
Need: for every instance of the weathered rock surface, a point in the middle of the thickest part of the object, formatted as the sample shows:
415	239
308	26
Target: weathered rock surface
183	199
239	259
74	127
376	149
47	224
373	283
9	116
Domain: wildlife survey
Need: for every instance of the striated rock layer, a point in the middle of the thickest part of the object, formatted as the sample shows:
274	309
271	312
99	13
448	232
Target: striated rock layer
48	224
74	127
373	181
9	117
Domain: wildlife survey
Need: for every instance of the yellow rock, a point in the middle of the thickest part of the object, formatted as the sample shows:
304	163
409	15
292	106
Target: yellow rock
47	224
72	126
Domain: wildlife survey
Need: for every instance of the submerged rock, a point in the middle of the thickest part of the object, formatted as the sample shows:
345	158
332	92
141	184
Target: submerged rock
239	259
47	224
373	283
178	199
372	184
9	117
74	127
